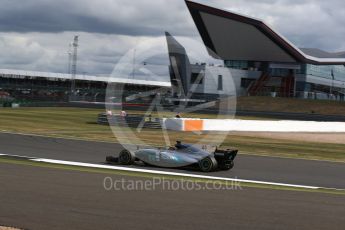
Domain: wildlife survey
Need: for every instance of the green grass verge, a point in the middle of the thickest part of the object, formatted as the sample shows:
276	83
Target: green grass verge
23	162
291	105
77	123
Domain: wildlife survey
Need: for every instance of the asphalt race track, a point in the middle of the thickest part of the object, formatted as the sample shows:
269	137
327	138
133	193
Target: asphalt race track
270	169
44	198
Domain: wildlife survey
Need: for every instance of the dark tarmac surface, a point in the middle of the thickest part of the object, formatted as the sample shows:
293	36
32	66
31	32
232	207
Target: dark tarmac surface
43	198
270	169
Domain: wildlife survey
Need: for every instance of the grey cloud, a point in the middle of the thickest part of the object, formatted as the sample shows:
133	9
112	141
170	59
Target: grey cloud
149	18
34	34
19	51
308	22
48	51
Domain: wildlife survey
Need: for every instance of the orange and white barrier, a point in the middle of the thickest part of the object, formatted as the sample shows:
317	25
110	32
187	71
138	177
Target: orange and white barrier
183	124
187	124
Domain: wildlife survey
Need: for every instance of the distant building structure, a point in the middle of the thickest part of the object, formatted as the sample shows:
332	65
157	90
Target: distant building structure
47	86
198	82
263	62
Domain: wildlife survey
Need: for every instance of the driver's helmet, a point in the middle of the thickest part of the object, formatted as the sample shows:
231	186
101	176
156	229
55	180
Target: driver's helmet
179	145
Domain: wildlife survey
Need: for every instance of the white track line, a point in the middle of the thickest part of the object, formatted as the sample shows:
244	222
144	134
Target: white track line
158	172
19	156
71	163
109	142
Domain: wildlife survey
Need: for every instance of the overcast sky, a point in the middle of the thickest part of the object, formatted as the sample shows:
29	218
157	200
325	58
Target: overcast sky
34	34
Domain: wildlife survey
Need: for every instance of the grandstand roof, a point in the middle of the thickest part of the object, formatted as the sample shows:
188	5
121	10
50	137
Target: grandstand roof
232	36
62	76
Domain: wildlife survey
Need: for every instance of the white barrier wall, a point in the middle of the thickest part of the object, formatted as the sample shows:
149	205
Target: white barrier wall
253	125
273	126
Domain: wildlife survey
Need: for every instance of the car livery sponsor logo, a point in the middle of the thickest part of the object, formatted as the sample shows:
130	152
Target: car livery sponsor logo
159	156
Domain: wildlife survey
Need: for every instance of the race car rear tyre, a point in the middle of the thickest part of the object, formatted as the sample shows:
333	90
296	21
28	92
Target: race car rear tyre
208	164
126	157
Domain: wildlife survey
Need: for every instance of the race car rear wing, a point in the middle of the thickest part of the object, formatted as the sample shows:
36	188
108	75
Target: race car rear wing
228	154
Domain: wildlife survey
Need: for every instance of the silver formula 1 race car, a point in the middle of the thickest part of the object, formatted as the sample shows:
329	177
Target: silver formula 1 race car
180	156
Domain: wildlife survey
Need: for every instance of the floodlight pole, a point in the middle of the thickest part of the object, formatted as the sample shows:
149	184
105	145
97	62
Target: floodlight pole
74	66
69	52
332	85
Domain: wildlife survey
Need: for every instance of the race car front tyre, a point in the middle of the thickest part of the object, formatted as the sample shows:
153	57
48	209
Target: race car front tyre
126	157
111	159
208	164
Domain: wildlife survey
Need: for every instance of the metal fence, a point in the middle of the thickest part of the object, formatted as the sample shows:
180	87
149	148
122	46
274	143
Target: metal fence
132	120
305	95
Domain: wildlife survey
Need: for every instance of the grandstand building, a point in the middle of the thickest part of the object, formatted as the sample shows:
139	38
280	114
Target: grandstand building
32	86
263	62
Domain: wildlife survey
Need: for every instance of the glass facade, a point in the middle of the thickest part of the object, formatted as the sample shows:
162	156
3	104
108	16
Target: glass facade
280	72
336	71
324	71
220	82
197	76
236	64
327	89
